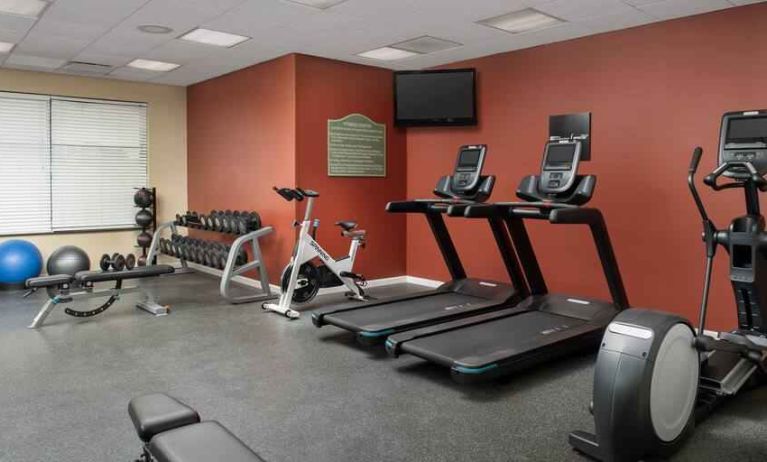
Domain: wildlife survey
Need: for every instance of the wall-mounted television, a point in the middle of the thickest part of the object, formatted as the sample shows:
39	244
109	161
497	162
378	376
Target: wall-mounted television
435	98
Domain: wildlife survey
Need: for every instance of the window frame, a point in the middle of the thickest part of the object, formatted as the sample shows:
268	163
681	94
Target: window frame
49	98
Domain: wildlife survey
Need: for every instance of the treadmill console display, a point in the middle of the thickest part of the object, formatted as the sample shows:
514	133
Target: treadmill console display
744	139
560	166
468	169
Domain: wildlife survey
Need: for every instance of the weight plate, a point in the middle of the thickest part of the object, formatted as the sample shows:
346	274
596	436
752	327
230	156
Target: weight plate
105	262
130	261
119	263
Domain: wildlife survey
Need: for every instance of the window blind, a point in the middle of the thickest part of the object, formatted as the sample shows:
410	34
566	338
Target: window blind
98	157
25	195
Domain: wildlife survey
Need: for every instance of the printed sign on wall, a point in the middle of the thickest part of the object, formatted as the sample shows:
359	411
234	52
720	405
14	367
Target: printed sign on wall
356	147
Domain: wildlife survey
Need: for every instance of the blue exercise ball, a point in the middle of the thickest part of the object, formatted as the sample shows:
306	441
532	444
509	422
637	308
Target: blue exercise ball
19	261
68	260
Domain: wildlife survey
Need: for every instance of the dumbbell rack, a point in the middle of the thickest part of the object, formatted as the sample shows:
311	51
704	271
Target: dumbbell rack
231	269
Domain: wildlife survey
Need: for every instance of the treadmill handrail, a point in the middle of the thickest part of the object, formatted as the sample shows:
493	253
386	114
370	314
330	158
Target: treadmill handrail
557	213
424	205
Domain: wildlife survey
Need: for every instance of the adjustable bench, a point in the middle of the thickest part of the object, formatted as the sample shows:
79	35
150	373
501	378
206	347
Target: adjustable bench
65	289
172	432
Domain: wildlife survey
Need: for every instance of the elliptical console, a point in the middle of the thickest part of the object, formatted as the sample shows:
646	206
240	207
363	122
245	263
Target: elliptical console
655	376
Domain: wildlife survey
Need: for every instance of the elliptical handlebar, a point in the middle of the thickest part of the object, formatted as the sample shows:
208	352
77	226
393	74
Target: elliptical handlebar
756	178
697	154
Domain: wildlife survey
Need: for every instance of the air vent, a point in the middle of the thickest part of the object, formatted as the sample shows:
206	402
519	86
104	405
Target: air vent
426	44
79	67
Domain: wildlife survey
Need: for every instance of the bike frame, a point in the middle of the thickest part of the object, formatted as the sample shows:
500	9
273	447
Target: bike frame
307	249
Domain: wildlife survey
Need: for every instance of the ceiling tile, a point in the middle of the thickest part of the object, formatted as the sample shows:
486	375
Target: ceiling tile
99	58
180	51
570	10
14	28
85	31
21	61
669	9
92	11
617	21
130	73
52	46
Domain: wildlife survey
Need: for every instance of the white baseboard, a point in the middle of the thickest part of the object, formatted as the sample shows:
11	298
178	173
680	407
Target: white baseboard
246	281
423	281
330	290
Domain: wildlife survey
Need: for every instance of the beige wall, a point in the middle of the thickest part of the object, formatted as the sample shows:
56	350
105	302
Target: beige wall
167	148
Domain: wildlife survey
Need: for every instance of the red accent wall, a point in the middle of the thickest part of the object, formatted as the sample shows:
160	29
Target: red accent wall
266	126
655	92
241	142
330	90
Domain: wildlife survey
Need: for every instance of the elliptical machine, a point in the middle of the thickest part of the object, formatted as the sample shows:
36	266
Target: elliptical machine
302	279
655	376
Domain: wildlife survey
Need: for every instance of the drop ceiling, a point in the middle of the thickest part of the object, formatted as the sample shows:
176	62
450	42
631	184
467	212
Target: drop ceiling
105	32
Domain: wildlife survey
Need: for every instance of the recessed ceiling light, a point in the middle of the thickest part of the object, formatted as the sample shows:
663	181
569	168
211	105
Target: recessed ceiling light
6	47
426	44
154	29
387	54
521	21
213	37
30	8
321	4
149	65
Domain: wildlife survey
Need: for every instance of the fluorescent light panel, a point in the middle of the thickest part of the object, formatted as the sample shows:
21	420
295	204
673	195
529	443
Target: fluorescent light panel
387	54
30	8
521	21
6	47
214	37
321	4
149	65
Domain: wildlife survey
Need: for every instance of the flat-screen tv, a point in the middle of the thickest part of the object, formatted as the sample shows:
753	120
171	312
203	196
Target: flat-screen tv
435	98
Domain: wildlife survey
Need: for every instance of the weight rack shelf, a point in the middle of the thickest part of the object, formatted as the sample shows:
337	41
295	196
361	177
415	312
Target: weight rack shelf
235	265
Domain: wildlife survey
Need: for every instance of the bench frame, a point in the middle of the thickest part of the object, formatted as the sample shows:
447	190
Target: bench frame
67	295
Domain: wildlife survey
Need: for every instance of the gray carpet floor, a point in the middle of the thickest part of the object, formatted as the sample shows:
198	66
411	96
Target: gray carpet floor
291	391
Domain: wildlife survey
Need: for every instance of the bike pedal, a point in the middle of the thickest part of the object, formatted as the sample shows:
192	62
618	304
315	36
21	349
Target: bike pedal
355	276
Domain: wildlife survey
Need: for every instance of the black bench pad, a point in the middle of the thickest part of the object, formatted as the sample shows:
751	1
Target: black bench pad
204	442
135	273
47	281
156	413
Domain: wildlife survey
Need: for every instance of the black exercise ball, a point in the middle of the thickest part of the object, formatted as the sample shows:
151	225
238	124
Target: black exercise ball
144	218
144	240
68	260
143	198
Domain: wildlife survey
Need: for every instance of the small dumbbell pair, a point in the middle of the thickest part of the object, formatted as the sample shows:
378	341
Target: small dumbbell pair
117	262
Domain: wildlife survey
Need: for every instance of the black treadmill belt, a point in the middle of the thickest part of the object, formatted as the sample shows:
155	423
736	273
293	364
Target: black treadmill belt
393	315
486	343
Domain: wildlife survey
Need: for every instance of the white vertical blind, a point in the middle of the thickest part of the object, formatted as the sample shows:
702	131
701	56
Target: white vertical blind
25	196
99	155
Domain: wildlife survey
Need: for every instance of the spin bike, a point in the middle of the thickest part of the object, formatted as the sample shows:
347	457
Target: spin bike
302	279
656	377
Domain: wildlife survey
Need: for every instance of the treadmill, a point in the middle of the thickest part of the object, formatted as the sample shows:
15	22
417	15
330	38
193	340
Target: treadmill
462	296
543	326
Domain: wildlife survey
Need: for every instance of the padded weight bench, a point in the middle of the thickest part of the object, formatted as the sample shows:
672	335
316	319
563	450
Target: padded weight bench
172	432
64	289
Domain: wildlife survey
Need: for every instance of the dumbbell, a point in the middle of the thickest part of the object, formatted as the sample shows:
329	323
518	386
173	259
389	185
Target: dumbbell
117	262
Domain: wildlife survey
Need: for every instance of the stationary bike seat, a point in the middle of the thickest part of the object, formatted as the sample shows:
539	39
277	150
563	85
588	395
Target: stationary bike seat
347	225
